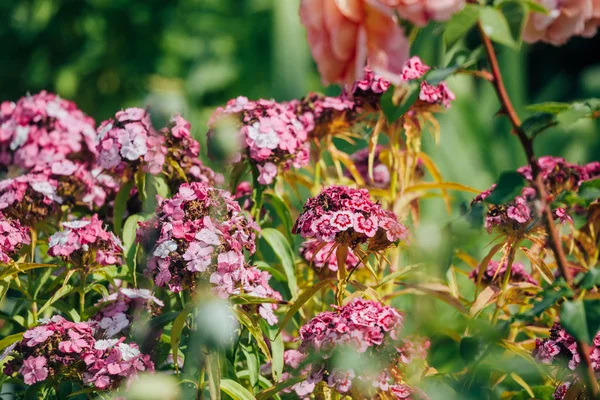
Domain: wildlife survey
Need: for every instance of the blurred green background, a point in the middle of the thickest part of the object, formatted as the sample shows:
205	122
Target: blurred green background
190	56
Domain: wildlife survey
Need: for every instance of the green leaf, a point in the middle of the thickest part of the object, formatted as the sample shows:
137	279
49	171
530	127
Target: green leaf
494	25
470	348
235	390
397	274
129	245
263	266
572	318
284	252
592	316
573	114
392	111
300	301
549	107
63	291
253	364
590	279
8	340
537	123
156	185
177	330
516	14
255	331
590	190
268	394
213	371
120	206
282	211
460	24
550	297
508	187
436	76
277	350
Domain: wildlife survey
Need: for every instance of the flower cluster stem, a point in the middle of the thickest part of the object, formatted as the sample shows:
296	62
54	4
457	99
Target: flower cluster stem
547	217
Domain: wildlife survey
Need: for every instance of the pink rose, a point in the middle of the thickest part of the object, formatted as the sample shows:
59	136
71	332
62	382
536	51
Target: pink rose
420	12
565	19
343	33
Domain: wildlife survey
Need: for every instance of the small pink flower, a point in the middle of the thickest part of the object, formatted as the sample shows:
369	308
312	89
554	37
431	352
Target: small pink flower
267	173
342	220
414	69
34	370
37	335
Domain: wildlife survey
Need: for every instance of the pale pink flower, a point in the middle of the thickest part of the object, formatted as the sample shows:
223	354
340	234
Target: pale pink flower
343	34
34	370
565	19
420	12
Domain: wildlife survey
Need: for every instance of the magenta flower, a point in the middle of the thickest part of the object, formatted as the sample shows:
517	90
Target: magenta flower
494	273
12	237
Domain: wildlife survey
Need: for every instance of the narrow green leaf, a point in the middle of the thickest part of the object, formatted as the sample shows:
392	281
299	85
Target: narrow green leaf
177	330
549	107
235	390
255	331
282	210
213	371
63	291
273	390
277	350
120	206
284	252
397	274
253	364
8	340
301	300
494	25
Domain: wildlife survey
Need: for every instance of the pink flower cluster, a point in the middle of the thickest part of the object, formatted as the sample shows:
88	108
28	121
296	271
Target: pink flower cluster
130	141
441	94
495	272
325	115
271	134
420	12
41	129
561	346
119	309
12	237
201	233
29	198
184	151
348	216
557	174
372	331
321	255
564	20
56	347
84	242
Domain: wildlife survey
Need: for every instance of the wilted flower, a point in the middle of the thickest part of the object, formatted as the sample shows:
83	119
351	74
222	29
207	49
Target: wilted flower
343	35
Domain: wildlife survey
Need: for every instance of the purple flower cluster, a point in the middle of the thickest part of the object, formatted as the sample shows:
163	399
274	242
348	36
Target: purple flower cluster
325	115
12	238
559	175
494	273
60	349
322	256
42	129
117	310
271	134
348	216
202	233
372	331
561	346
85	242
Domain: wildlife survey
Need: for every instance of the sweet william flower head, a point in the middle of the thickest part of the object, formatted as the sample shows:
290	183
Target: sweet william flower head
495	273
322	256
271	135
85	242
348	217
41	129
